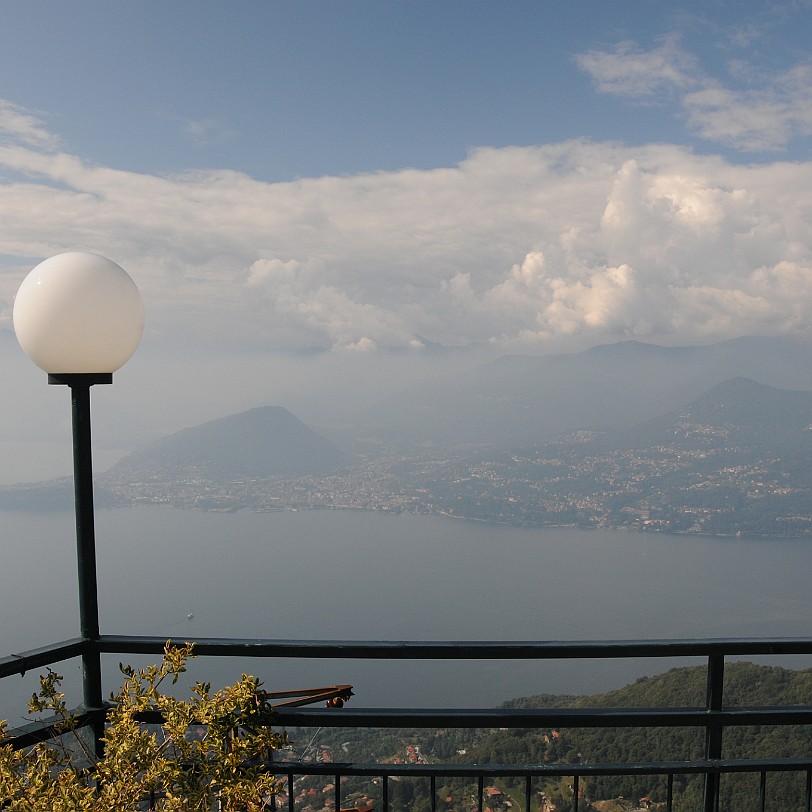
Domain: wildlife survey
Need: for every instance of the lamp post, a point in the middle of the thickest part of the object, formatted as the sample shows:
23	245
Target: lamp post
79	317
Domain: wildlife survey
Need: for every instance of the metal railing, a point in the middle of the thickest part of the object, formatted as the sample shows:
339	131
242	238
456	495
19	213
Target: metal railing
712	718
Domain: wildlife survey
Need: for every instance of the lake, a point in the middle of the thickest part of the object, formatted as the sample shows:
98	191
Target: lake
355	575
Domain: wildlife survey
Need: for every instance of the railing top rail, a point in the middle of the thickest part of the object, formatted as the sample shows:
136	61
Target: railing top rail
464	650
16	664
411	649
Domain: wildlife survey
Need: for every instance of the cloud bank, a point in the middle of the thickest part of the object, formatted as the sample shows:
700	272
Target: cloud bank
516	247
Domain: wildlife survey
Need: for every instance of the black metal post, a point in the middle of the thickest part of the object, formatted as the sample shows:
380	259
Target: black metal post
713	729
86	540
86	537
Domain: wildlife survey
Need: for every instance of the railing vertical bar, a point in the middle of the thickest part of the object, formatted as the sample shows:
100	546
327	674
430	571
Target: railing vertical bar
809	791
528	786
575	791
762	791
669	793
337	790
291	788
385	799
713	728
433	786
480	792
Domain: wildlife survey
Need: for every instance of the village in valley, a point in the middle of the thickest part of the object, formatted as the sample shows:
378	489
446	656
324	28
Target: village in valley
318	793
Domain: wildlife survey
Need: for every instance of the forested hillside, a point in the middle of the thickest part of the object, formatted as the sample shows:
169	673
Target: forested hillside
746	684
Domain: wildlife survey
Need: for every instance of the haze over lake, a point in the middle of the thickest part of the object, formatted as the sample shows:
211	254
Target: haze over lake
355	575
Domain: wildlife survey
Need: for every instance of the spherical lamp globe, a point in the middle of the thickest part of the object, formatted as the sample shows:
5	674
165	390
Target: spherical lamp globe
78	313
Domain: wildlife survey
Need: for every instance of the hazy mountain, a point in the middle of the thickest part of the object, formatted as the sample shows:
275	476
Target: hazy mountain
740	410
518	399
261	442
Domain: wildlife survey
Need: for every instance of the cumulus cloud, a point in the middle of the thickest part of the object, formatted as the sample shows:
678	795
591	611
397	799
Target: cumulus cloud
748	110
516	247
297	295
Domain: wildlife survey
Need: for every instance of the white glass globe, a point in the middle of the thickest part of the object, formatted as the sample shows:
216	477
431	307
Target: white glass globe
78	313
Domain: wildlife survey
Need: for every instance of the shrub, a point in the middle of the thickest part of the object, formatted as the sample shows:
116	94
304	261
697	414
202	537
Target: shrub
207	750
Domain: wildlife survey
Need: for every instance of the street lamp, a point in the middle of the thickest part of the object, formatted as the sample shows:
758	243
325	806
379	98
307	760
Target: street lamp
79	317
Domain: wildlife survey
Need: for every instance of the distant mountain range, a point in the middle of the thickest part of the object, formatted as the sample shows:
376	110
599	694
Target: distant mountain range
632	393
712	439
262	442
519	399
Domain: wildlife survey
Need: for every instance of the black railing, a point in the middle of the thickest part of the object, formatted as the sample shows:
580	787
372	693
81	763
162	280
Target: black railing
526	775
712	718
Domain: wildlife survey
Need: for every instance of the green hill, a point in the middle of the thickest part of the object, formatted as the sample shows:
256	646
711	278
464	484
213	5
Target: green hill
746	684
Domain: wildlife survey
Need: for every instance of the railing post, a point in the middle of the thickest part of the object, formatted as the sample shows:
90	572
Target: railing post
713	728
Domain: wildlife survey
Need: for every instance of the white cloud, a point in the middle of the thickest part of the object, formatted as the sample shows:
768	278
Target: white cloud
628	70
754	119
296	296
763	113
24	126
575	241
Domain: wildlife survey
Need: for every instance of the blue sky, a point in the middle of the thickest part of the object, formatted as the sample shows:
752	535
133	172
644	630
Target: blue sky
298	89
346	180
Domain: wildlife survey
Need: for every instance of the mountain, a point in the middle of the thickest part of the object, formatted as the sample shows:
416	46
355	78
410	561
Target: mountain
745	413
520	399
262	442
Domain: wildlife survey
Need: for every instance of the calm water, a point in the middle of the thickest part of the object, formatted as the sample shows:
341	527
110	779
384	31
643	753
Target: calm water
348	575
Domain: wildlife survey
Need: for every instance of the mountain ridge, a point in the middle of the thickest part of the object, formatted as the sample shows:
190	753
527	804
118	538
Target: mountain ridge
519	398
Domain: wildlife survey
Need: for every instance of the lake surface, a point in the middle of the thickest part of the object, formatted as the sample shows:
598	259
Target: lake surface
354	575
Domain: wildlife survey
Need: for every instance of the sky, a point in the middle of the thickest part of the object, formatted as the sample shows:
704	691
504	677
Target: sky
321	201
